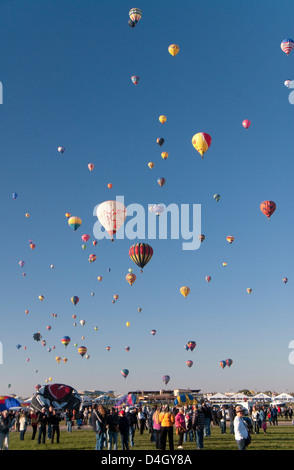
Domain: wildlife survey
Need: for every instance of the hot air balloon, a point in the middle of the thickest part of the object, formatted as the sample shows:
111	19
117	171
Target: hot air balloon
27	215
109	185
189	363
18	346
52	266
91	166
230	239
26	312
124	373
151	165
161	181
246	123
166	379
48	327
67	215
41	298
58	359
135	14
99	278
287	46
185	290
201	238
61	149
65	360
153	332
223	364
285	280
216	197
208	278
268	208
92	258
162	119
160	141
37	336
139	309
229	362
82	322
127	323
173	49
65	340
141	254
75	299
82	350
14	195
32	246
135	79
225	264
21	263
287	83
85	237
115	297
111	215
127	348
191	345
107	348
249	290
131	23
164	155
157	209
131	278
74	222
201	142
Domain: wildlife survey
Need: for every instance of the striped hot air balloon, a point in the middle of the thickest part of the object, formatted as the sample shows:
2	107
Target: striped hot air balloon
141	254
230	239
131	278
135	79
65	340
287	45
135	14
74	222
82	350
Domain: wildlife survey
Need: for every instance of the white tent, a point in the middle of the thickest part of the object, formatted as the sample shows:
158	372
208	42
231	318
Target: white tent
283	397
239	396
218	397
261	397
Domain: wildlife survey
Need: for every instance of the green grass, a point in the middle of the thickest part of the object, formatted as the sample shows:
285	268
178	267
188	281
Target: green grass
279	437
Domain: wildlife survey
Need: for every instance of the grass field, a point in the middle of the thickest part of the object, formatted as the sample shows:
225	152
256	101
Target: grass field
279	437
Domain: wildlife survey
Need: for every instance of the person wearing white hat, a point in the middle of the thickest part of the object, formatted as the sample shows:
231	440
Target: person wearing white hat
240	429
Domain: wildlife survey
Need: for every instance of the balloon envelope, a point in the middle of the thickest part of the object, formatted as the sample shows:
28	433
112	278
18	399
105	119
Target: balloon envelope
268	208
201	142
111	215
287	45
173	49
141	254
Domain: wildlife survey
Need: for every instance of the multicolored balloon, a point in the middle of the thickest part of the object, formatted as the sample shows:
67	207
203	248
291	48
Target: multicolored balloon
141	254
74	222
135	79
82	350
124	373
189	363
166	379
230	239
162	119
161	181
65	340
131	277
223	364
201	142
111	215
75	299
135	14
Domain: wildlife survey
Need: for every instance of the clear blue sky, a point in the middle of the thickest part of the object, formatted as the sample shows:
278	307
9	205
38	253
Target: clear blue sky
65	70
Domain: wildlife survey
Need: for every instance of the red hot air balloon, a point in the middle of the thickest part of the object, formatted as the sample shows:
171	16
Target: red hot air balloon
246	123
268	208
189	363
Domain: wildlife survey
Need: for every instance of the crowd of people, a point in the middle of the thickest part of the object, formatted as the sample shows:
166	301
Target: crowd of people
114	426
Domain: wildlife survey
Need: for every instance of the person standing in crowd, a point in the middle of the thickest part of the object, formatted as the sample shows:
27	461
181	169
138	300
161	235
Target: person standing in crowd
198	423
232	415
142	420
80	416
68	420
255	419
34	423
131	417
42	423
207	418
189	430
157	428
5	426
262	419
167	421
274	415
55	420
49	429
180	427
124	430
23	423
112	429
223	420
240	429
101	413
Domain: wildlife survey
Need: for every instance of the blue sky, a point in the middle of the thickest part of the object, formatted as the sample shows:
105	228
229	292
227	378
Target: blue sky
65	70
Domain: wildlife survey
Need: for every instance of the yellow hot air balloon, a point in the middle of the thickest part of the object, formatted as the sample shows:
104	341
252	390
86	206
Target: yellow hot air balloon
131	277
74	222
58	359
162	119
185	290
230	239
164	155
151	165
41	297
201	142
128	324
173	49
